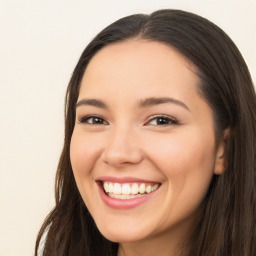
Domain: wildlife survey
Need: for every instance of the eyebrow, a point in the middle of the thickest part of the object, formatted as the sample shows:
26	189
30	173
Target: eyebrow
148	102
156	101
91	102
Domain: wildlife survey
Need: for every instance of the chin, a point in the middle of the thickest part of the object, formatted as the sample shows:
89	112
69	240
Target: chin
120	234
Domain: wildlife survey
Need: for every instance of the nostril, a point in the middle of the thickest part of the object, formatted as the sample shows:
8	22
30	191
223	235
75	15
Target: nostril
121	157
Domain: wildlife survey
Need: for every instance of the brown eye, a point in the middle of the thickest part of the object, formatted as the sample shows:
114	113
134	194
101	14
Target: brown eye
162	121
93	120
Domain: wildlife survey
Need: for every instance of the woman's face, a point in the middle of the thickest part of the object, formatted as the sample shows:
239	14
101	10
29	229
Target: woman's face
143	149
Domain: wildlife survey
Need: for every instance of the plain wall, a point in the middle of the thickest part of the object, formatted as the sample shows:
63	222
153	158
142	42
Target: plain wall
40	43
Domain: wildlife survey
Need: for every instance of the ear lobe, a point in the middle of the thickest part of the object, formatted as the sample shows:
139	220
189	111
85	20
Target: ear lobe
221	161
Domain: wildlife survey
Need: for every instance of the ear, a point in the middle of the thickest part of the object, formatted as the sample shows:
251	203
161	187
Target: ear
221	160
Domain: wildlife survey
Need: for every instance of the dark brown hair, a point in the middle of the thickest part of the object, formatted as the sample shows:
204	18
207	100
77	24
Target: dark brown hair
228	223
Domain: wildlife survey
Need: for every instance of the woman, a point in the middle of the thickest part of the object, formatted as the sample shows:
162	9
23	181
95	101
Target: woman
160	136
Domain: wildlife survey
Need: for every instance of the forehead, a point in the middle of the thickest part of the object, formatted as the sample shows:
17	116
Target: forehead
150	54
141	64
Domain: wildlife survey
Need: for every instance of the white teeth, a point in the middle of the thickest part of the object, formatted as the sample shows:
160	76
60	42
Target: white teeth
127	191
117	189
142	188
149	189
135	189
110	187
105	185
124	196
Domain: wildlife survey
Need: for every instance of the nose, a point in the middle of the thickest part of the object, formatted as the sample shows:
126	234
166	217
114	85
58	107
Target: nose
122	148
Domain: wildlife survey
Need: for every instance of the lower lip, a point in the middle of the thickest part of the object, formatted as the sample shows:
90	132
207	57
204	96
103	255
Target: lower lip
124	204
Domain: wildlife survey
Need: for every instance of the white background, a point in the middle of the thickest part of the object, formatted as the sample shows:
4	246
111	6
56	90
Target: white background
40	43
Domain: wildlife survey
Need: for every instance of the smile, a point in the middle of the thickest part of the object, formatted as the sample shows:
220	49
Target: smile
128	190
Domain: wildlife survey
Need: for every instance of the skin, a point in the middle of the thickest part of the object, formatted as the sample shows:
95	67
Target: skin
129	141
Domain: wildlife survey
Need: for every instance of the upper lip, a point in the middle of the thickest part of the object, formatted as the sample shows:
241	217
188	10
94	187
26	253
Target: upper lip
125	179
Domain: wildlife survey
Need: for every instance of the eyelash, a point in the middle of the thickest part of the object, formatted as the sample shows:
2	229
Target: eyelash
86	119
98	120
167	120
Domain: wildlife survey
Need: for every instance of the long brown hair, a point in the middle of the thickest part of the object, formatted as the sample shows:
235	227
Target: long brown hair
228	223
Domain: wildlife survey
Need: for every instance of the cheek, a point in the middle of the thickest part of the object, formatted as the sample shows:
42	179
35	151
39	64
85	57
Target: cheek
83	153
187	164
187	161
182	153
